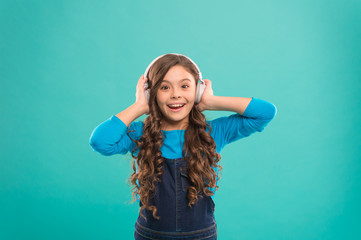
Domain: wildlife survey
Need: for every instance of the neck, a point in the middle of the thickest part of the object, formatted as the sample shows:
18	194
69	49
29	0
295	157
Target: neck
169	127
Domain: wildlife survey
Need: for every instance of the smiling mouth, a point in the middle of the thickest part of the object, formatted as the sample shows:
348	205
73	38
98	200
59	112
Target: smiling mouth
176	109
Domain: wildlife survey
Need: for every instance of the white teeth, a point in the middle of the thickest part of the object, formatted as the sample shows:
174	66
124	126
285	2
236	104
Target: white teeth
177	105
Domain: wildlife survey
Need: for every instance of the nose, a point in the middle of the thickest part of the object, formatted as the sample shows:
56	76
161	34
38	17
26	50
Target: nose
175	94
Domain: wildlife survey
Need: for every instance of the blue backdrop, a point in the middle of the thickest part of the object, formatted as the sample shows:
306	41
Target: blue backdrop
67	66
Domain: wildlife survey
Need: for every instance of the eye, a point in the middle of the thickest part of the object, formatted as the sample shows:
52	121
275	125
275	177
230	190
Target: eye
166	86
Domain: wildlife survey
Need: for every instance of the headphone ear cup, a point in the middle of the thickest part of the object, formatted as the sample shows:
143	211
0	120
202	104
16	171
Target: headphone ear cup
197	94
199	91
146	92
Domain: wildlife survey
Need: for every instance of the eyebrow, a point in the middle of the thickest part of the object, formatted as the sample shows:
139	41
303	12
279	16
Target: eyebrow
178	81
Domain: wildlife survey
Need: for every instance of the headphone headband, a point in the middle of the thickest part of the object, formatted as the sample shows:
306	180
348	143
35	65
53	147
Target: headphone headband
199	72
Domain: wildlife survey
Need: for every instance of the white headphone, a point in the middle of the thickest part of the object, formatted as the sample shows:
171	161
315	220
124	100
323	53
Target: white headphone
200	86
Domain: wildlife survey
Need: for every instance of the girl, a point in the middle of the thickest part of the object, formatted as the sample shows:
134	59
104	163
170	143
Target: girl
176	148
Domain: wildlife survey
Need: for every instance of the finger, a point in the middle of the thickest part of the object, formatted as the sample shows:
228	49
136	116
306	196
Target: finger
209	84
206	82
140	79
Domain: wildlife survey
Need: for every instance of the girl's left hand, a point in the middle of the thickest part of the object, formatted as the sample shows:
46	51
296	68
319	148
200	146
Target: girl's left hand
207	94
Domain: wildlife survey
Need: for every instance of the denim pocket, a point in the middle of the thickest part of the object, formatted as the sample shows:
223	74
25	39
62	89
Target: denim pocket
184	180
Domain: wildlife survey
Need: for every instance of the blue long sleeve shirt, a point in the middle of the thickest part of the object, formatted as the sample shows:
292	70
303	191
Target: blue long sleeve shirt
110	137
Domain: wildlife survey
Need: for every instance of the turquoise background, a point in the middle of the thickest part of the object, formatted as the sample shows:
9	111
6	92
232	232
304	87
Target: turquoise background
67	66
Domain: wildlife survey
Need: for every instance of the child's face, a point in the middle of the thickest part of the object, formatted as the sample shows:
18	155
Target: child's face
176	90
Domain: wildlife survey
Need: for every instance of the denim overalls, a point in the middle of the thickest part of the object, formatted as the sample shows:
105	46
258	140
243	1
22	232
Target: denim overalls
177	219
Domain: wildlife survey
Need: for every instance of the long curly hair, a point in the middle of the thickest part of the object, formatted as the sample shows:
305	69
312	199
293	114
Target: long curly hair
199	148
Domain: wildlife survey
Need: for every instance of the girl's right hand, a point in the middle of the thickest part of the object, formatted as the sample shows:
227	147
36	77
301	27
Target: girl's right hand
140	95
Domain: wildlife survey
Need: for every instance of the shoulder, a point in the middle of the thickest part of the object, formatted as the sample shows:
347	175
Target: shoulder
222	121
